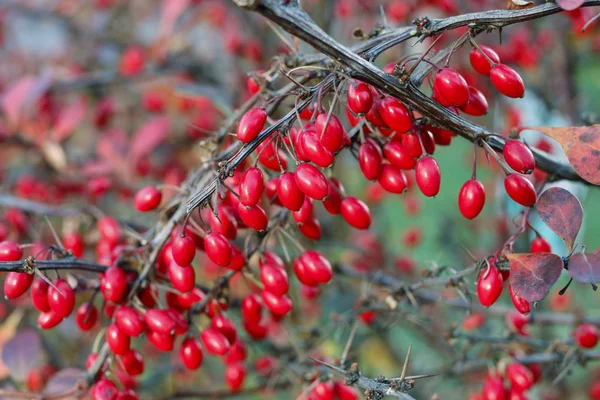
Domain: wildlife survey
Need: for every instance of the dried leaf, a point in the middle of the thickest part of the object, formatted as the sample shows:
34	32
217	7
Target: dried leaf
21	353
63	381
562	212
585	267
68	119
148	137
569	4
54	155
533	274
171	11
582	146
519	4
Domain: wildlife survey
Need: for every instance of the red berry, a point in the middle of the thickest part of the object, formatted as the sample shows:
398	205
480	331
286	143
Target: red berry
392	179
159	321
493	388
183	249
113	284
74	243
477	104
395	114
335	191
471	198
520	189
311	228
428	177
452	87
399	156
39	295
162	341
251	124
360	99
274	279
311	149
316	266
305	212
252	308
520	303
237	353
518	156
489	285
324	391
129	321
218	249
289	192
254	217
182	278
132	61
540	245
191	353
507	81
86	316
117	340
330	133
251	186
345	392
61	304
225	326
214	341
10	251
234	376
147	199
109	229
132	362
519	376
479	62
356	213
49	319
586	335
277	305
369	159
311	182
16	284
104	390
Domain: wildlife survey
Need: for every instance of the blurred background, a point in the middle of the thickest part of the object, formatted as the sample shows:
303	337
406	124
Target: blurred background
102	97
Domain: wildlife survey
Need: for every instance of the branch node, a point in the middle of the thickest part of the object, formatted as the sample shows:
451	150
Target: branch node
29	265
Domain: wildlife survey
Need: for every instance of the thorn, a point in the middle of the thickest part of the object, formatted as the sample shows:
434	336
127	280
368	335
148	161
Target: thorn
406	361
348	344
462	246
48	281
333	367
415	377
56	237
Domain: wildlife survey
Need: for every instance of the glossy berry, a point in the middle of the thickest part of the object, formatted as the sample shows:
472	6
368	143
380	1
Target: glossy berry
471	198
305	212
117	340
183	279
493	388
520	189
183	250
113	284
519	376
73	242
225	326
289	192
398	156
507	81
335	191
39	295
49	319
356	213
191	353
477	105
16	284
480	63
218	249
540	245
428	176
311	182
61	304
254	217
360	99
329	132
129	321
311	228
324	391
316	266
252	308
489	285
10	251
162	341
274	279
520	303
132	362
518	156
452	87
586	335
159	321
251	186
86	316
214	341
277	305
370	159
147	199
395	115
109	229
392	179
251	124
234	376
104	390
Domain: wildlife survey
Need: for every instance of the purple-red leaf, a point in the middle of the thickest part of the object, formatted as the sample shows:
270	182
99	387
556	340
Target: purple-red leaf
148	137
533	274
63	381
68	119
582	146
585	267
562	212
21	353
24	91
569	4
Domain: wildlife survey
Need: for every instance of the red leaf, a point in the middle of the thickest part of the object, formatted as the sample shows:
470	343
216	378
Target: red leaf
68	119
569	4
171	10
582	146
148	137
533	274
17	96
562	212
21	353
112	147
63	381
585	267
